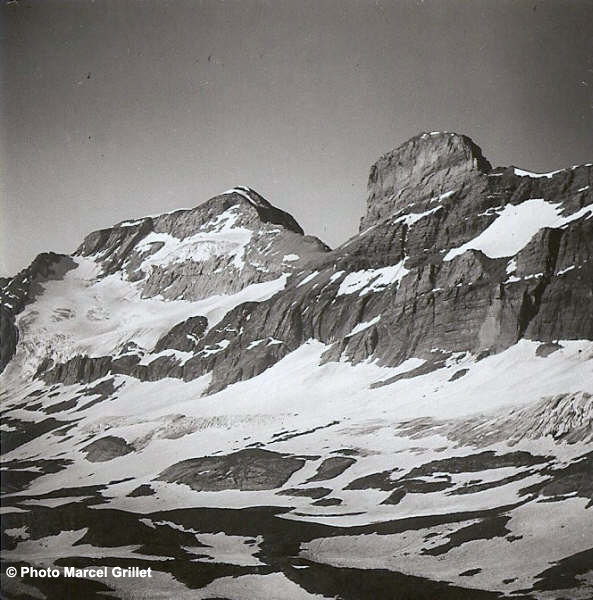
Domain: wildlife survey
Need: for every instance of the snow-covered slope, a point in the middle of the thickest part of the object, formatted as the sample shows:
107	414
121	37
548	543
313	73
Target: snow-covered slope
217	396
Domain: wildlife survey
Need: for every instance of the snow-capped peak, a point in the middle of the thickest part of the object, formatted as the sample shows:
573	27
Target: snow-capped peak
250	195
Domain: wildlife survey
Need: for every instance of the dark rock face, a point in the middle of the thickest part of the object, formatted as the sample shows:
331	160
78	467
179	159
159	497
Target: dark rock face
328	502
421	169
107	448
377	481
250	469
9	335
315	493
80	369
573	479
184	336
141	490
86	369
477	462
331	468
268	213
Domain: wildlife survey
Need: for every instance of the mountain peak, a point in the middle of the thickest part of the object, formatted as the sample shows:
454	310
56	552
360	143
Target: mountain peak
437	147
427	165
266	211
231	241
250	195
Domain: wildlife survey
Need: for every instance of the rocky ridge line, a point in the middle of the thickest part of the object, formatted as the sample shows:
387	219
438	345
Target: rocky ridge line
409	283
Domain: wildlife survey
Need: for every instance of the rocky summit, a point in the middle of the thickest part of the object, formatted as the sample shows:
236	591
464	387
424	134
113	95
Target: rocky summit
215	395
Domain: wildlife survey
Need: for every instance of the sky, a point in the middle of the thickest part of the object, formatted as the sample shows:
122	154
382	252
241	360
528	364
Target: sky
117	109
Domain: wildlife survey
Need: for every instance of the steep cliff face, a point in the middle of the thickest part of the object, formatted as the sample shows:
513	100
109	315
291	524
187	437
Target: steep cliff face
425	167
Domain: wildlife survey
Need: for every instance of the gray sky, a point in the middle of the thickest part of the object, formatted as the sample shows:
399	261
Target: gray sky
117	109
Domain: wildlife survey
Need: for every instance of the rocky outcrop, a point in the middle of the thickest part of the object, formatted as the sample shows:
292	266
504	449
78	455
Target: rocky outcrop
425	167
332	467
107	448
184	336
79	369
86	369
249	470
22	289
9	335
266	212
